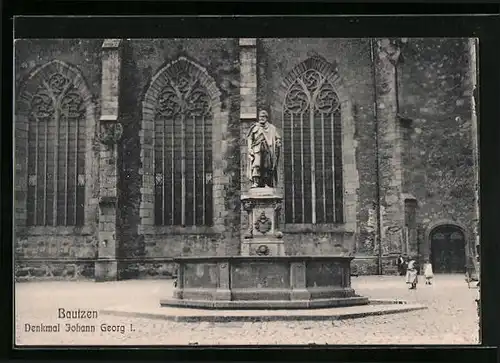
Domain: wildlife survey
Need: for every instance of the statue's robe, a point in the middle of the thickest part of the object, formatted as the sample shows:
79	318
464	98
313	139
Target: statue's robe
262	141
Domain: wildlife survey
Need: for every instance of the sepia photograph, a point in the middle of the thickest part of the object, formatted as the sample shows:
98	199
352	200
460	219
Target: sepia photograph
246	191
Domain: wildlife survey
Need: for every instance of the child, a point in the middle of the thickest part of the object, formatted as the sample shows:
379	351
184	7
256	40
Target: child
428	274
412	274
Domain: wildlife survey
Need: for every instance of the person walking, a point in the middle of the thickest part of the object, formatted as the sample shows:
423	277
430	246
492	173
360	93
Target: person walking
428	273
401	265
412	274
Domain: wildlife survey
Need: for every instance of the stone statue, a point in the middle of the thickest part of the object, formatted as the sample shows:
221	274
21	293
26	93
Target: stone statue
264	145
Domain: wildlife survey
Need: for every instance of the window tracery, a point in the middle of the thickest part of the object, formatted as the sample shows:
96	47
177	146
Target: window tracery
183	152
56	153
313	151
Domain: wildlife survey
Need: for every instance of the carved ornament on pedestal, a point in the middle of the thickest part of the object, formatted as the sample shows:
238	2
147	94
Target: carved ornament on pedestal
262	250
263	223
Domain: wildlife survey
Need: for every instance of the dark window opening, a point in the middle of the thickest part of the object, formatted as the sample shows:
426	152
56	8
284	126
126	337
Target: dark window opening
312	131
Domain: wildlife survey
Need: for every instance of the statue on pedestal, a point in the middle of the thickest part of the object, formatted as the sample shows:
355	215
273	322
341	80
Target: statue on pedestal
264	143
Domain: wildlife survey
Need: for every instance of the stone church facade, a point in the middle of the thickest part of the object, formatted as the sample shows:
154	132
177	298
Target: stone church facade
130	152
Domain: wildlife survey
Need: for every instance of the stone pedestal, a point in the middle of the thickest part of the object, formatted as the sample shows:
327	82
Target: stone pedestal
263	237
264	282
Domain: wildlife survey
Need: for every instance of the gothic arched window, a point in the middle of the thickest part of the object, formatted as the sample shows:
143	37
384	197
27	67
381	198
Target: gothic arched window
183	150
312	151
56	149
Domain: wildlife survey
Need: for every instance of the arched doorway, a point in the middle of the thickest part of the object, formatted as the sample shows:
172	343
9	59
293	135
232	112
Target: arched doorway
447	249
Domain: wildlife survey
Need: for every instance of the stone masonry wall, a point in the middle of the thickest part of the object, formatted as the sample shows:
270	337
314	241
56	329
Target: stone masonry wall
434	85
142	60
56	252
276	58
436	93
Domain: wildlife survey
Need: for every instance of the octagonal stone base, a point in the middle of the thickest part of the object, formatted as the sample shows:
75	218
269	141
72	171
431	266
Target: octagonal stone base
264	282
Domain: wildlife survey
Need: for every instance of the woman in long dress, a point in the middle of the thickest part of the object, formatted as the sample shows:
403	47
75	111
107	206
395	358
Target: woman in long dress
428	273
412	274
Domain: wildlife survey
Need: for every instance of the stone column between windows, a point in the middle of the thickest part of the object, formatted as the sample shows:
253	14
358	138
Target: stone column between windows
248	79
106	267
390	148
248	110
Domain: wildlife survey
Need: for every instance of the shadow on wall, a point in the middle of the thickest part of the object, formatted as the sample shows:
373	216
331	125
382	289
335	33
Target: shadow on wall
129	179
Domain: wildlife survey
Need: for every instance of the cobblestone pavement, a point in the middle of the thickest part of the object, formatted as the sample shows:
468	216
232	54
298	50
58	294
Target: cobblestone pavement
450	318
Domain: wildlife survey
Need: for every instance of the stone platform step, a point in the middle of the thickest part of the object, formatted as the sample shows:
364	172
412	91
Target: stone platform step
201	315
266	304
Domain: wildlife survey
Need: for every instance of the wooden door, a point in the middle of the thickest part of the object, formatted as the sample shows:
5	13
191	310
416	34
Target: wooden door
448	249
